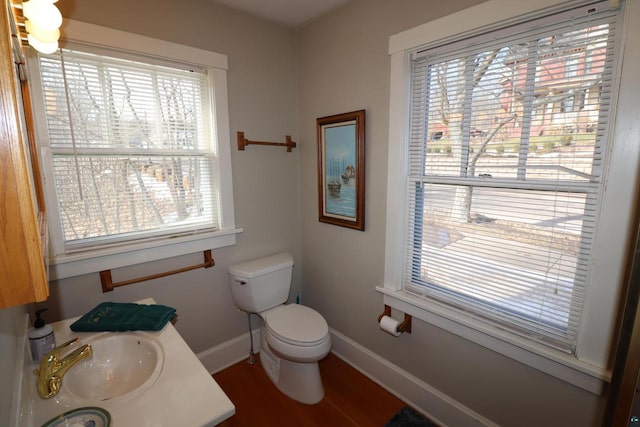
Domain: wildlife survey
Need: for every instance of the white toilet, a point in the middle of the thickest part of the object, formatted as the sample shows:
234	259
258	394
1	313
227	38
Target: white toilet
293	337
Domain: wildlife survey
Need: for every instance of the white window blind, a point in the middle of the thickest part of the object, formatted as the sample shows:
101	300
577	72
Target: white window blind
506	158
132	150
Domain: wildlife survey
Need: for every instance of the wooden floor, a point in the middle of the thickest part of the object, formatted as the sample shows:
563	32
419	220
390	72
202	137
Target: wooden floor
350	399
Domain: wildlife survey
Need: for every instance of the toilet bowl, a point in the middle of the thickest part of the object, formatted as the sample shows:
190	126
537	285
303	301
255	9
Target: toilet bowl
293	337
290	356
297	333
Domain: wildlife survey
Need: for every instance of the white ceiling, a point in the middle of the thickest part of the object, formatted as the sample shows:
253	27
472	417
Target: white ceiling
291	13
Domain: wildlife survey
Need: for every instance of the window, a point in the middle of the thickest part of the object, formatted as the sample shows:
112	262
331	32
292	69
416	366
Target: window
130	147
502	208
133	150
505	154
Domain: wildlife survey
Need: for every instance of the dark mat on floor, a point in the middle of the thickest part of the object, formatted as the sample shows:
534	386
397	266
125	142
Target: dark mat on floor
407	417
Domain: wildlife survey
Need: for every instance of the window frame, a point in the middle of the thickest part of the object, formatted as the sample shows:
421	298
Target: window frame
589	367
93	38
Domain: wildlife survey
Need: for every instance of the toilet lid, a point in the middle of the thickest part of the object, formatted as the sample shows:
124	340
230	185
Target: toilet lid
296	324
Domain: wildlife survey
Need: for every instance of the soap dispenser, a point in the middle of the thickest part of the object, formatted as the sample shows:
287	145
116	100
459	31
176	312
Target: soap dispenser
41	338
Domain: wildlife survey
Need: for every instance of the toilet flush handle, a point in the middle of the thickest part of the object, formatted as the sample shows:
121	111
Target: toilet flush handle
242	282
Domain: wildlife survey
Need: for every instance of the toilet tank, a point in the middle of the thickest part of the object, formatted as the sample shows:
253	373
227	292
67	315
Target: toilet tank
261	284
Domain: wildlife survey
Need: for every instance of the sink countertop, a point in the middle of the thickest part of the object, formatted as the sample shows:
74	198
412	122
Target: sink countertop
184	394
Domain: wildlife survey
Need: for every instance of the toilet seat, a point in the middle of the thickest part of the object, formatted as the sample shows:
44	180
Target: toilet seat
296	325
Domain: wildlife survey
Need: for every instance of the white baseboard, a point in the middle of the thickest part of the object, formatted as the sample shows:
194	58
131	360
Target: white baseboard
230	352
418	394
436	405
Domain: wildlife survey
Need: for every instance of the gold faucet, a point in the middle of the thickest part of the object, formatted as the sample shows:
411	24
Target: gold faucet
52	369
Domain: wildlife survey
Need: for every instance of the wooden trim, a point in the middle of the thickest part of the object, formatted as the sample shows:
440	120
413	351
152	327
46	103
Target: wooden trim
108	285
624	378
33	146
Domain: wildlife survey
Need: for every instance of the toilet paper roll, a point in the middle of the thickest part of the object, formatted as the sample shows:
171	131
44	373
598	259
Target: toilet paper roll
390	325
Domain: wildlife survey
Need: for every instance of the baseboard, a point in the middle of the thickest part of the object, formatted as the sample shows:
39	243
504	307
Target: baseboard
433	403
230	352
436	405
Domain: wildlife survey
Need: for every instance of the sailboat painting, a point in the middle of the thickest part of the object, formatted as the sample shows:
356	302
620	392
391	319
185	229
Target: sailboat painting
341	169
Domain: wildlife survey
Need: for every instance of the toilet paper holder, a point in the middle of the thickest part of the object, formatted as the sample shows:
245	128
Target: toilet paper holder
404	326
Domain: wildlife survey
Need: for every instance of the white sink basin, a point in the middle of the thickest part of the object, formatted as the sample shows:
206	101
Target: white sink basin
122	364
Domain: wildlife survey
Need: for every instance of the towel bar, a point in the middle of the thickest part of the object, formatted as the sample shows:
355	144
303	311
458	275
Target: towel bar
108	285
243	142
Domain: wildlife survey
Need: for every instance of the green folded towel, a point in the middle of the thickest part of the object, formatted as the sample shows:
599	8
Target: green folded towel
120	317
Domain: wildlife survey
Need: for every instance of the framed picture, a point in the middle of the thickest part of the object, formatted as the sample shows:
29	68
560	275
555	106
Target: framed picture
341	169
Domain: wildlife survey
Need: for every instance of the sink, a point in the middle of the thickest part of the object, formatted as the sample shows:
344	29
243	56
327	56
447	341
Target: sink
141	378
122	364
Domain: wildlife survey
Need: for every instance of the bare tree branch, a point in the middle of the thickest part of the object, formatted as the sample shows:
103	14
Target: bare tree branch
147	198
483	66
489	137
94	184
445	107
569	93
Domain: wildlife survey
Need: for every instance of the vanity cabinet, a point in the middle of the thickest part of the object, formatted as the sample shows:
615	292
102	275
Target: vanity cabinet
23	273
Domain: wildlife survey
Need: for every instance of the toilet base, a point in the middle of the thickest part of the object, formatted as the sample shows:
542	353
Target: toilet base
300	381
270	363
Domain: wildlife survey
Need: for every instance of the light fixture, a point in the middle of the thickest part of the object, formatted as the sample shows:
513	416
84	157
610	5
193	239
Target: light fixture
40	46
42	22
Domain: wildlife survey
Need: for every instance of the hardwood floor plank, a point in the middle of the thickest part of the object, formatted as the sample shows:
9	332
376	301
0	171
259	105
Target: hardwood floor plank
351	399
365	401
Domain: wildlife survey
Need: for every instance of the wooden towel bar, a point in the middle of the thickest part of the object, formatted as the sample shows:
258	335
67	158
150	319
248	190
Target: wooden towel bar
243	142
108	285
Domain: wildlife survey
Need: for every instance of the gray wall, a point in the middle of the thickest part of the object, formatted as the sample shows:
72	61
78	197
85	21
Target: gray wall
262	103
343	66
280	81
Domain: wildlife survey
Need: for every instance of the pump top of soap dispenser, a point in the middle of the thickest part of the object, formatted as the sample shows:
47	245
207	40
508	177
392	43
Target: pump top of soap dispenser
39	323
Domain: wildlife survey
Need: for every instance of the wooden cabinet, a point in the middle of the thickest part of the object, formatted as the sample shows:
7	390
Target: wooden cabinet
23	275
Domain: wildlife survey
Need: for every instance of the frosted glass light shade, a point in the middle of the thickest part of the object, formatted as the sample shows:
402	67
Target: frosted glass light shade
42	13
40	46
45	36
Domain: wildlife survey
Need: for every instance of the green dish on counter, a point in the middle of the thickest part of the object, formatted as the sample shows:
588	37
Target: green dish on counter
90	416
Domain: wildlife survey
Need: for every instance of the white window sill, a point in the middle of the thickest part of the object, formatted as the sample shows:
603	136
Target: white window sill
563	366
76	264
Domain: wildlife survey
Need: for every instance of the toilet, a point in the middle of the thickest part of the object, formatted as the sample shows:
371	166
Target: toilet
292	337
